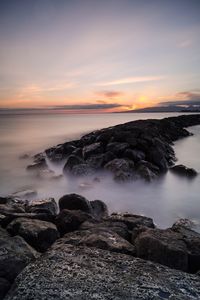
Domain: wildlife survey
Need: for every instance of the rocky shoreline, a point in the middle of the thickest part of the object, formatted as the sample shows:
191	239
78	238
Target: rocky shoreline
135	150
79	251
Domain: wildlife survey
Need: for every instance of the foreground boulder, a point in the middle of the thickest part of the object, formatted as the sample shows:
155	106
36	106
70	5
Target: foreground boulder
48	206
39	234
79	272
15	254
176	247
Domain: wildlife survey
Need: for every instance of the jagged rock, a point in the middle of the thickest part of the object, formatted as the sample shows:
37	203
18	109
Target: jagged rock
82	170
184	171
99	209
39	234
79	272
123	169
75	202
135	155
48	206
15	254
117	149
145	172
70	220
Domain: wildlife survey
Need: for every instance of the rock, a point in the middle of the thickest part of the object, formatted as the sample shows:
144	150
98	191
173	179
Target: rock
4	200
15	254
123	169
192	241
11	208
184	171
39	234
70	220
60	152
135	155
4	287
145	172
118	227
71	162
99	238
75	202
92	149
78	272
48	206
117	148
99	209
82	170
132	221
38	166
166	247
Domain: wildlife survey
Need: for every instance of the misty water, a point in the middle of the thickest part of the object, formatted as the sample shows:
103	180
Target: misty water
165	200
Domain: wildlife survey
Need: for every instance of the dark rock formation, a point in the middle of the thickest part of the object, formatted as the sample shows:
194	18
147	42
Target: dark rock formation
39	234
48	206
4	287
70	220
99	209
182	170
141	149
75	202
79	272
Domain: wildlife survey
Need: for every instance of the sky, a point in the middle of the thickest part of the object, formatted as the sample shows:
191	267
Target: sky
98	55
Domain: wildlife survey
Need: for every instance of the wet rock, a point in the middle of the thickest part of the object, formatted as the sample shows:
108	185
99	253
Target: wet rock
15	254
70	220
122	169
60	152
117	148
11	208
99	209
4	287
79	272
145	172
182	170
39	234
48	206
72	161
75	202
82	170
38	166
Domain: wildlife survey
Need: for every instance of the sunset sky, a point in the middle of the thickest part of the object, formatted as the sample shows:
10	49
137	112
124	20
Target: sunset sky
98	55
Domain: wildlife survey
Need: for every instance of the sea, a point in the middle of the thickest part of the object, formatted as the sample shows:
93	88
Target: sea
165	200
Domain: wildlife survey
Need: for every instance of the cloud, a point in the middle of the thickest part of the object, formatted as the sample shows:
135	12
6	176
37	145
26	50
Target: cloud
109	94
129	80
185	98
87	106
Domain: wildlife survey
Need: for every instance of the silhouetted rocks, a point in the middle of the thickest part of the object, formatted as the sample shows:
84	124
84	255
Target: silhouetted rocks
141	149
182	170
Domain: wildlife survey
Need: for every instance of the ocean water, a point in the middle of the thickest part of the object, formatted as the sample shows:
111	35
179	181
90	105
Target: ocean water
165	200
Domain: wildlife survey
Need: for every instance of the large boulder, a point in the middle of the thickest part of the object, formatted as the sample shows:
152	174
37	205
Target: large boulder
70	220
79	272
135	155
4	287
39	234
122	169
75	202
72	161
132	221
15	254
176	247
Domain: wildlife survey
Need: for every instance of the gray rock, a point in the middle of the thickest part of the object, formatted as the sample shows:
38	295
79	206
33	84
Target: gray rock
95	148
83	273
4	287
132	221
99	209
39	234
72	161
83	169
15	254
